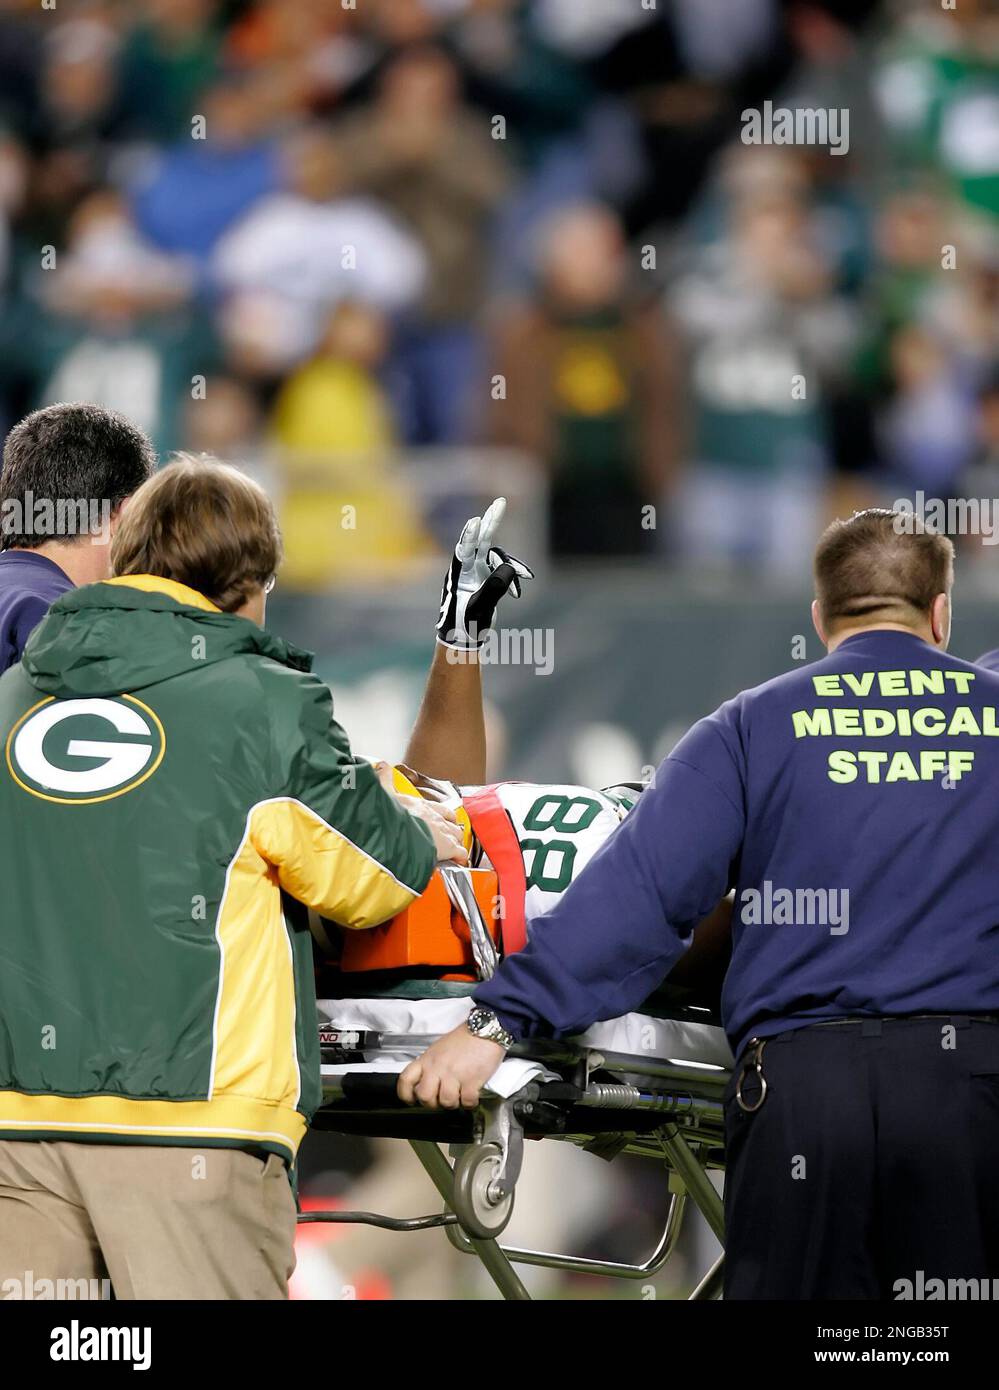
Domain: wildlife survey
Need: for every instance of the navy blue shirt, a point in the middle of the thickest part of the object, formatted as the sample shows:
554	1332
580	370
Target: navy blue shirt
29	584
873	774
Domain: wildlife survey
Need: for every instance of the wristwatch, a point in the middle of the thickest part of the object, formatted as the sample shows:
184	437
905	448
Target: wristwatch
483	1023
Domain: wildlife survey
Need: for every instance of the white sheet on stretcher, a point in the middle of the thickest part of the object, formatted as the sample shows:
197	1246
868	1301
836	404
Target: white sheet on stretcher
664	1039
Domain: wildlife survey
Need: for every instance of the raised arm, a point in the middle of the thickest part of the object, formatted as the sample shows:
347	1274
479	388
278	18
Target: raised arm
449	737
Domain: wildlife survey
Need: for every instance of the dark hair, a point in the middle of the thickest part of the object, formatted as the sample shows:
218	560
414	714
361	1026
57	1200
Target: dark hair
204	524
66	454
882	566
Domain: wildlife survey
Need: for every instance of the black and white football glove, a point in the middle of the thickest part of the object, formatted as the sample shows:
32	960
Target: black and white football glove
479	575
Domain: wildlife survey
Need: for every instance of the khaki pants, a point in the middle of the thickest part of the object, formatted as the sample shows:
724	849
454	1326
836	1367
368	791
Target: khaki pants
159	1223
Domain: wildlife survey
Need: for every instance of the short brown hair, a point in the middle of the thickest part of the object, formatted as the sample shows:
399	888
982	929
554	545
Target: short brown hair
881	565
204	524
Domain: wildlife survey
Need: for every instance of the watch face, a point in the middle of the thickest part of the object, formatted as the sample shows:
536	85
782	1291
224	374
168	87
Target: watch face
478	1019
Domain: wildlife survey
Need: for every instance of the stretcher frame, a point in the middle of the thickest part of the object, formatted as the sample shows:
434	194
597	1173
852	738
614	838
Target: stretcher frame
607	1103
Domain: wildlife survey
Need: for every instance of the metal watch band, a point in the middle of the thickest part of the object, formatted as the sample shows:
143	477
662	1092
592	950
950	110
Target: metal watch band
483	1023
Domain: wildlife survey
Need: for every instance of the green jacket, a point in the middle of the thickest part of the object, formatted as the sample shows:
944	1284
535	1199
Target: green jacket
172	779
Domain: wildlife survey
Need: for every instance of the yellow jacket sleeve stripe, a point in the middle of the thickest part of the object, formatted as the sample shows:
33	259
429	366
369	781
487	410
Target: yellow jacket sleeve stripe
321	867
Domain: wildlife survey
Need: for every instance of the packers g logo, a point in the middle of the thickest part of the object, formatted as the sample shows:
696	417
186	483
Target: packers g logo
77	752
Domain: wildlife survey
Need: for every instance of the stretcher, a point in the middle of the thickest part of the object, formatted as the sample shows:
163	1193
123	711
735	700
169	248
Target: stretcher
650	1083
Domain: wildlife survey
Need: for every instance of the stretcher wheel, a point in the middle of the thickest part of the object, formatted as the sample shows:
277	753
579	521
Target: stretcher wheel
482	1212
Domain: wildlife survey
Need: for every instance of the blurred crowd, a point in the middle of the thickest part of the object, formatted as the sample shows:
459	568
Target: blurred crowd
319	236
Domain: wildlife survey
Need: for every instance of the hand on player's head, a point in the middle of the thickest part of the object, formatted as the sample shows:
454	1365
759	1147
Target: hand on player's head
442	823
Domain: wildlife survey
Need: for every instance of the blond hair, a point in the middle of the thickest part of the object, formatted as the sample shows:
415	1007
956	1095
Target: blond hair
201	523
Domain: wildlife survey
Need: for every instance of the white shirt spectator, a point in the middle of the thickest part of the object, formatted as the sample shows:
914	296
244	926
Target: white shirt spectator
303	257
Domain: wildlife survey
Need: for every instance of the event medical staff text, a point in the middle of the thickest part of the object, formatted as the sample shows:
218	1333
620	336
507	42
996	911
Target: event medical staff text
870	721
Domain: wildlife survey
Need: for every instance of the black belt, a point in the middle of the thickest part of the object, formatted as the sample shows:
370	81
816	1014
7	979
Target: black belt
752	1056
959	1019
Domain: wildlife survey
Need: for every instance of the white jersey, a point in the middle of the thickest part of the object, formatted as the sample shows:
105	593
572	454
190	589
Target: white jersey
559	828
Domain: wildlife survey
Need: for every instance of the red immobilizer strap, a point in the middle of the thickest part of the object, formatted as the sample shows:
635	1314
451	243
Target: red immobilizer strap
495	833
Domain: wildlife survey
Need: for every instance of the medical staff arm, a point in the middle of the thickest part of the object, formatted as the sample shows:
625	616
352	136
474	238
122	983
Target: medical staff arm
621	926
